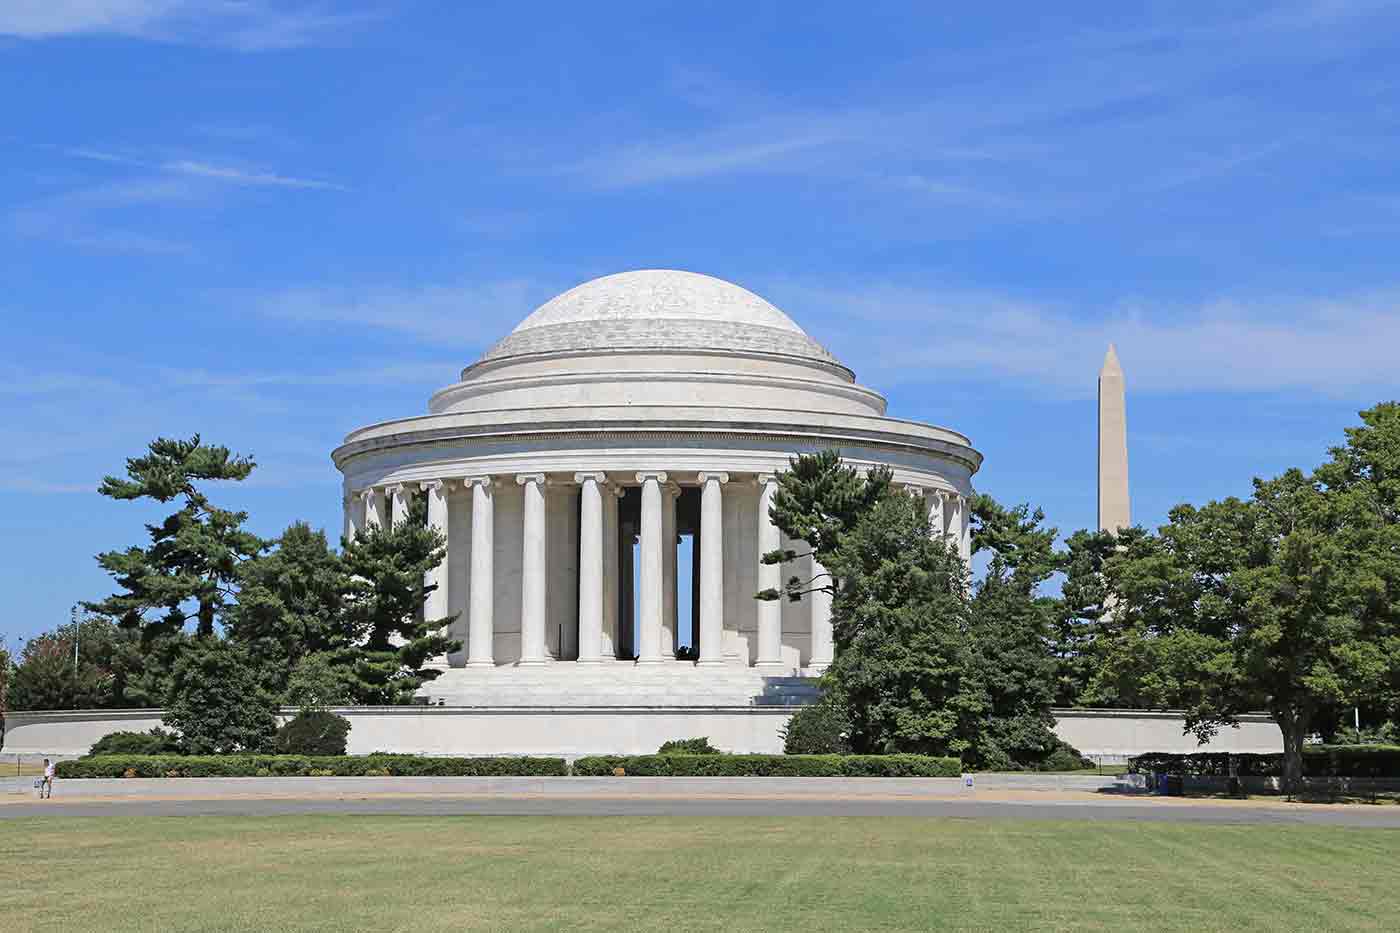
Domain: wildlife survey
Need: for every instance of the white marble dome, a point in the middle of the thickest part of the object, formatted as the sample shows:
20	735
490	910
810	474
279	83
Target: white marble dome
616	419
652	309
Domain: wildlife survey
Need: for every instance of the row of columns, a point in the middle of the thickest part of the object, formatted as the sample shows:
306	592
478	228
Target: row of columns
598	549
949	516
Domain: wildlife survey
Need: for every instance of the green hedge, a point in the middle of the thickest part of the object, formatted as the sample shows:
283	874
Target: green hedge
769	766
150	766
1374	761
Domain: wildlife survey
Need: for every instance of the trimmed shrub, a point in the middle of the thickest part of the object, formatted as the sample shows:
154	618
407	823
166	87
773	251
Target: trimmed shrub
155	742
700	746
1370	761
768	766
146	766
313	732
1065	757
819	729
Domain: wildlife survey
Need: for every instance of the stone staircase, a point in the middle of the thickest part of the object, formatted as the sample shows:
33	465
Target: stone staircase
620	684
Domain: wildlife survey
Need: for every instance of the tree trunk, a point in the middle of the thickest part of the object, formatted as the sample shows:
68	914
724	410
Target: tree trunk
1294	726
205	626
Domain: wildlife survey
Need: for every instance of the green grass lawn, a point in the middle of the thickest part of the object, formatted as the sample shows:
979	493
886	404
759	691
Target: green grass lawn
726	874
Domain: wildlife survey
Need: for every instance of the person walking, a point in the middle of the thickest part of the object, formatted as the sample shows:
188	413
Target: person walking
46	785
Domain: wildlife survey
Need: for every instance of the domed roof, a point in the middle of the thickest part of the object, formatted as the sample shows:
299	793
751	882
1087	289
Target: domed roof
658	309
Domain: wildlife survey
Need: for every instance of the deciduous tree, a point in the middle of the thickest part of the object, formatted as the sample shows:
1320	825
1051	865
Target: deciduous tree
1287	601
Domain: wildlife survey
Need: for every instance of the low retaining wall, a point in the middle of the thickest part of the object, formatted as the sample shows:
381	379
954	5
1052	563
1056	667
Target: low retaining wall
1108	735
455	730
1114	735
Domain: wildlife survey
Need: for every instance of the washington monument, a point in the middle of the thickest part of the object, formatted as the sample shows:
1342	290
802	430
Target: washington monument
1113	447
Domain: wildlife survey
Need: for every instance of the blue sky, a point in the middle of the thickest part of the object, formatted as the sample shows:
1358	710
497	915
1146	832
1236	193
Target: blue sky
274	222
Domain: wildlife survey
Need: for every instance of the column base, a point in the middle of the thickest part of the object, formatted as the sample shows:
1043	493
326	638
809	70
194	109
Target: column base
650	661
481	662
710	662
769	665
588	660
532	662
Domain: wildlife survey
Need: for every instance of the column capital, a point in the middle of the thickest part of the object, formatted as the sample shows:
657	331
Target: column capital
617	491
917	491
717	477
762	479
599	478
525	479
430	485
484	480
367	494
657	475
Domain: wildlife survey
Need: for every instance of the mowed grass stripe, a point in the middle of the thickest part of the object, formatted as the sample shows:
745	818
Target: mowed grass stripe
319	872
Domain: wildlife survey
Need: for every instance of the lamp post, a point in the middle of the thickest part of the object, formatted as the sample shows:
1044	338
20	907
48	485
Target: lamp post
77	631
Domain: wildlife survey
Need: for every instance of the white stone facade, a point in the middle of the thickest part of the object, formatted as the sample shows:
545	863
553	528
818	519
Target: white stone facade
566	463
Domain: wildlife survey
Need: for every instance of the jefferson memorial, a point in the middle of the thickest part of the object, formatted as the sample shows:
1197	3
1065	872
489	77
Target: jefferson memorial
603	475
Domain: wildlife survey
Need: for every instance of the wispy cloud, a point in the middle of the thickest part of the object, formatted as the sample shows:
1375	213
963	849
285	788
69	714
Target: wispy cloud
1333	345
239	177
199	169
92	218
462	315
243	25
84	217
745	148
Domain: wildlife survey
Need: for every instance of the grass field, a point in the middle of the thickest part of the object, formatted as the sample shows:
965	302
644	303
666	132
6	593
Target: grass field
729	874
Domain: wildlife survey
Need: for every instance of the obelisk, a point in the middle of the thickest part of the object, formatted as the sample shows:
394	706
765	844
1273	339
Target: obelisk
1113	447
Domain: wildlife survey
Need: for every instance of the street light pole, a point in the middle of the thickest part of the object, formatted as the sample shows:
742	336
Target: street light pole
77	631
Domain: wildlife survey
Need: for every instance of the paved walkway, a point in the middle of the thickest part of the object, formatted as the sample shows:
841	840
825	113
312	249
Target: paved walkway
658	796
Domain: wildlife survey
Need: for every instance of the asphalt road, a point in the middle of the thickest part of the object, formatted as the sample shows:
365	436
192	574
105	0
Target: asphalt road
507	805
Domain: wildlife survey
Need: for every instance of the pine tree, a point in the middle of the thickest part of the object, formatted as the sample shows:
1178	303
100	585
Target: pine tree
191	568
383	608
903	667
291	605
1010	634
819	500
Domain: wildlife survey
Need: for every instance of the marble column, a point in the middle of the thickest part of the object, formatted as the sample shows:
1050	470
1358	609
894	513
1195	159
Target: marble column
770	577
354	516
651	602
608	644
591	548
669	494
965	530
481	623
951	519
712	567
374	507
435	605
400	498
822	645
933	501
533	579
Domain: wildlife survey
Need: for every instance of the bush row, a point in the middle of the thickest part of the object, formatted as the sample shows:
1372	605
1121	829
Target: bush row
768	766
153	766
384	765
1373	761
